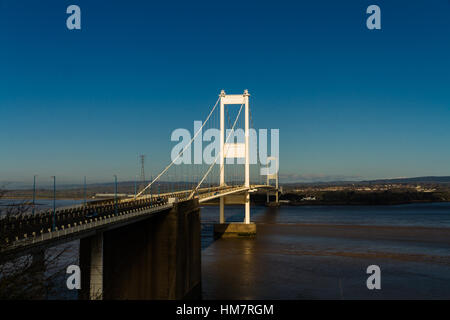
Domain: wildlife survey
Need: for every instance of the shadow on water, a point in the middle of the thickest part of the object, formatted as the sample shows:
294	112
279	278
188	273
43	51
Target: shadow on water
269	215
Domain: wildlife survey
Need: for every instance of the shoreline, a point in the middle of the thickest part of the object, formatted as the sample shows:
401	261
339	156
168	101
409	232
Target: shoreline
321	203
325	204
258	203
37	199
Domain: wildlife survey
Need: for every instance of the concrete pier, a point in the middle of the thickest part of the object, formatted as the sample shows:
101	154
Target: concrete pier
91	263
37	274
234	230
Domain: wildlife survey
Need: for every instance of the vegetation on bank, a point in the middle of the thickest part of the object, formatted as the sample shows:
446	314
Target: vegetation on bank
306	196
34	275
351	197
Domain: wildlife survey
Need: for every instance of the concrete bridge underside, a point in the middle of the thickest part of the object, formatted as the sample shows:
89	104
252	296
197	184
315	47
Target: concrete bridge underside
157	258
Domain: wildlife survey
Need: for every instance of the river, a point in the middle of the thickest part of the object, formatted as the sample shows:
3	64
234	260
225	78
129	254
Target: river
322	252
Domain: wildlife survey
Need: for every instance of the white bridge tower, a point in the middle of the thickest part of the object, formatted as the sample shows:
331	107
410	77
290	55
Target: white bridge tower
235	150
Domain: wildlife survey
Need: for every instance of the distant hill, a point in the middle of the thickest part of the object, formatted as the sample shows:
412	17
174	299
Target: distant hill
429	179
128	186
415	180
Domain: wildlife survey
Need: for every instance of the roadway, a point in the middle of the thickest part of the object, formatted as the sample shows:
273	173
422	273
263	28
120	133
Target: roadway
26	232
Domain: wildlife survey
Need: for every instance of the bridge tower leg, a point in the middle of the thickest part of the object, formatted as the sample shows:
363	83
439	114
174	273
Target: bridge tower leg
247	208
273	176
247	158
222	210
222	155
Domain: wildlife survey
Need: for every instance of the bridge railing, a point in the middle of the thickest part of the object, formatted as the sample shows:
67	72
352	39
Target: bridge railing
71	230
13	227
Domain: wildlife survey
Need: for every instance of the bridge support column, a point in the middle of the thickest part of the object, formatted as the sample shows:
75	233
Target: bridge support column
275	203
37	274
222	210
91	263
273	176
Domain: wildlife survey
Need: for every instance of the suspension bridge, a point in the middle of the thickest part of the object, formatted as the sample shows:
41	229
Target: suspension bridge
147	245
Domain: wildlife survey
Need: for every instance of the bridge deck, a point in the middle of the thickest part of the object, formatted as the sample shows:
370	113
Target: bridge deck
29	231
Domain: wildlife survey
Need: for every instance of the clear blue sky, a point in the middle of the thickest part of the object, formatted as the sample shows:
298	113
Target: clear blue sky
349	102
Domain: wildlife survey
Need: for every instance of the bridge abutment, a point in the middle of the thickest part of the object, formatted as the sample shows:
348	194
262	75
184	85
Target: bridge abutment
155	258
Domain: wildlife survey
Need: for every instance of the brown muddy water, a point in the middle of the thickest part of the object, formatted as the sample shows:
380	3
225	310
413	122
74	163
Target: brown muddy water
321	252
